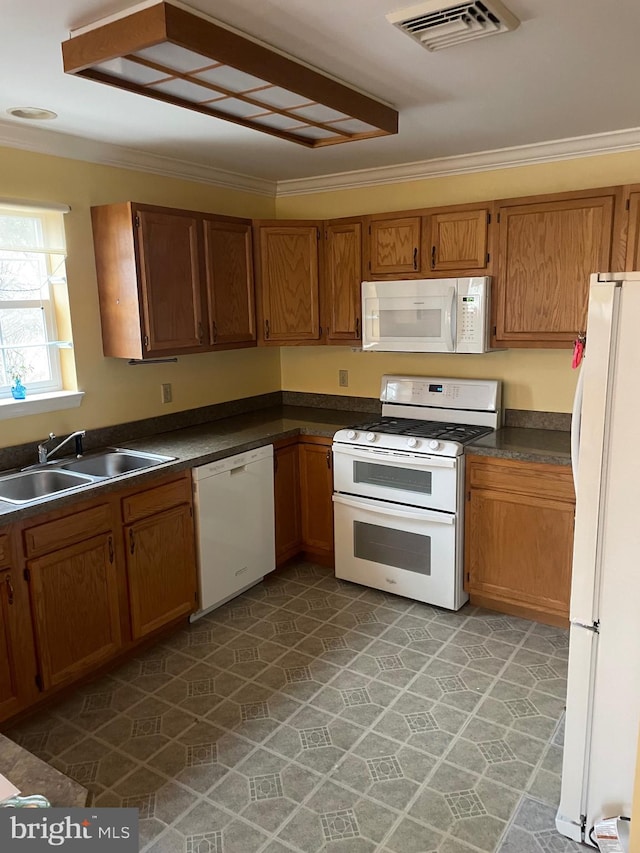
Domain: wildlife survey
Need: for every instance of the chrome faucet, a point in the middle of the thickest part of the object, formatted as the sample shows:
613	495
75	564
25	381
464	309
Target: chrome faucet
44	454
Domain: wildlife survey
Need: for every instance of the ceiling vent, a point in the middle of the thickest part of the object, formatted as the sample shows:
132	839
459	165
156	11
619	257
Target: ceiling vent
438	24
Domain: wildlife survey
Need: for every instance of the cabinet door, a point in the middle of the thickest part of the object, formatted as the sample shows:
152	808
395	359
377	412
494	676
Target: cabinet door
633	238
160	569
395	245
519	537
74	596
170	282
289	283
287	502
17	653
316	490
459	240
229	274
548	249
342	279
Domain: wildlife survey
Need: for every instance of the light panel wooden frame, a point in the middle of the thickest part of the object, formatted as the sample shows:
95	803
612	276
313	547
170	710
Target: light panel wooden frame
354	115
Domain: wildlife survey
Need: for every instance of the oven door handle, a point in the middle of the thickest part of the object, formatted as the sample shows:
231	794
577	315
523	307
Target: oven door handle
399	511
373	455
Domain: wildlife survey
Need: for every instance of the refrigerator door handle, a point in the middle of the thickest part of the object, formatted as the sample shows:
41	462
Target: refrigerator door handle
576	416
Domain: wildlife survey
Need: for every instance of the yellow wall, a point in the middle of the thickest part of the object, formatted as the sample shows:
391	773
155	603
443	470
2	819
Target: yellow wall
115	391
541	380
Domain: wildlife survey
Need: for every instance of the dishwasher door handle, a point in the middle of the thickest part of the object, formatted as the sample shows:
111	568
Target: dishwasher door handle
237	470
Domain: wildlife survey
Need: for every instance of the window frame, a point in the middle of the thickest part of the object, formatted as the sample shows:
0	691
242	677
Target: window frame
52	253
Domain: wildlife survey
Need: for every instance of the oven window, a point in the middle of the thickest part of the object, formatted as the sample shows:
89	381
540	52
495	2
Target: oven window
392	477
411	323
390	547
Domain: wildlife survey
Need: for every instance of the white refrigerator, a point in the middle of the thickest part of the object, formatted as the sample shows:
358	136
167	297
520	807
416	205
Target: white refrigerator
603	691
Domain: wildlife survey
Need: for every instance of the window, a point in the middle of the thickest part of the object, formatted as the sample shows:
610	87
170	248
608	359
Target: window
32	273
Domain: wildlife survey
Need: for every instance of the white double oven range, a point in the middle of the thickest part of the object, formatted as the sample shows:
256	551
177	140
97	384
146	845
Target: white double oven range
399	487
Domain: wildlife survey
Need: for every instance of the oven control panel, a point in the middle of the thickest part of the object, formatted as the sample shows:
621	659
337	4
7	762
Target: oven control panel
474	394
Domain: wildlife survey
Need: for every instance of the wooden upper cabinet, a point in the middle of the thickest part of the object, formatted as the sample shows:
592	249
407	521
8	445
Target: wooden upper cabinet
149	280
459	241
395	245
172	281
342	279
548	247
288	278
229	275
632	261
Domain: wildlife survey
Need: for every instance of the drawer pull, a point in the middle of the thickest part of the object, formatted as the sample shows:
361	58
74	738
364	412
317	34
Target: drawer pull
132	541
390	580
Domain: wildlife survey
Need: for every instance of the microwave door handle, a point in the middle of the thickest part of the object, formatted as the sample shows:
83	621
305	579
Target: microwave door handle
398	512
451	324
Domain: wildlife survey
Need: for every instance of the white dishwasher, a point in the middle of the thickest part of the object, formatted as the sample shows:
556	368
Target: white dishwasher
234	525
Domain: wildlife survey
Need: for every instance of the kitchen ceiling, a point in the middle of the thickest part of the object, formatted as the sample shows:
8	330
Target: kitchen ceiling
570	69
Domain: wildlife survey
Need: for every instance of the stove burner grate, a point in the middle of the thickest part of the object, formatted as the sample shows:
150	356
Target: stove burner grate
462	433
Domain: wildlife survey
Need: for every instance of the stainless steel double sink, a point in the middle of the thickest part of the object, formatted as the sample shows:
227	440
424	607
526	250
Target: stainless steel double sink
54	478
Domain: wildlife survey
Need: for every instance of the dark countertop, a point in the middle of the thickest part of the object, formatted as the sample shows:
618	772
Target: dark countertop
34	776
527	445
209	442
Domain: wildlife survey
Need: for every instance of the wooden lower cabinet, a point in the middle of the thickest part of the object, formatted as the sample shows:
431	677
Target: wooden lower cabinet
96	580
303	499
519	537
160	569
18	668
287	500
74	596
316	490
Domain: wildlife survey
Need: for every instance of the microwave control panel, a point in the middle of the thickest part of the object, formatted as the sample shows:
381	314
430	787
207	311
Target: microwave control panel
472	315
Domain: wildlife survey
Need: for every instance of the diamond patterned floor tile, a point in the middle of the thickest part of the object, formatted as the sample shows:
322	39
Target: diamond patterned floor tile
311	714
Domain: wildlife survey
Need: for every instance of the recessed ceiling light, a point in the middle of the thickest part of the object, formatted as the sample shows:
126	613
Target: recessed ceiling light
32	113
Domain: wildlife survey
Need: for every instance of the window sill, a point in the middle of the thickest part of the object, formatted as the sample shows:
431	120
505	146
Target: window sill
35	404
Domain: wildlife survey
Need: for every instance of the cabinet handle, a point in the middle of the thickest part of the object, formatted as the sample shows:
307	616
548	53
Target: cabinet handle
200	331
10	590
110	550
214	331
357	327
329	459
320	328
145	341
132	542
275	464
415	258
433	257
266	330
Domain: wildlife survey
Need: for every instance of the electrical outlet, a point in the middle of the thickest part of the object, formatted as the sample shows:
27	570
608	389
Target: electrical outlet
166	392
343	378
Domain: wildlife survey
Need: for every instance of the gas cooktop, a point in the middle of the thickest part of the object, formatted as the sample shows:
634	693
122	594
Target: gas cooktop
462	433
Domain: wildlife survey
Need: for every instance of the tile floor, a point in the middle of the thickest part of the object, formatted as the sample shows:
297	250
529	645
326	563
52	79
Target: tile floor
312	714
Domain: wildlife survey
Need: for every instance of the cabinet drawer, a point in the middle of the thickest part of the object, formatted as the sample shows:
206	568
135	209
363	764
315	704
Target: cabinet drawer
52	535
5	552
155	500
525	478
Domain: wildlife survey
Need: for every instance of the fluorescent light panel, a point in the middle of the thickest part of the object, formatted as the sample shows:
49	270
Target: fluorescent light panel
167	53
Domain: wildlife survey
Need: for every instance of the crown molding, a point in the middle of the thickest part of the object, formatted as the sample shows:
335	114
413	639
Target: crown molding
43	141
501	158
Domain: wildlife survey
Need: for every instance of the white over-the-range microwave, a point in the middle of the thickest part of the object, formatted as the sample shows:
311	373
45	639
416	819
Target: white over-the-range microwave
426	315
